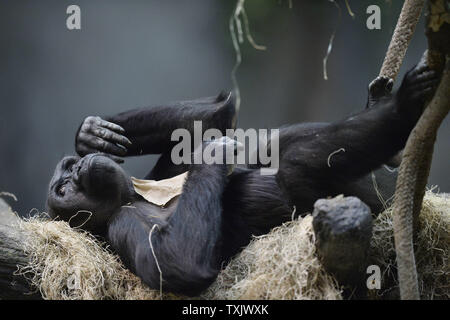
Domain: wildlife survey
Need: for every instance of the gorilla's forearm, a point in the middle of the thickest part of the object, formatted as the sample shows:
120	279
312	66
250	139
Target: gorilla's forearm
191	247
186	245
150	129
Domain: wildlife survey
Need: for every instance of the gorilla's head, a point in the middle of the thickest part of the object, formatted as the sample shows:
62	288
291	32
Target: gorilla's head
86	191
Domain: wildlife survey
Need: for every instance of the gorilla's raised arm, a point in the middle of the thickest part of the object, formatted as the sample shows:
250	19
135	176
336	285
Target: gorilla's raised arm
148	130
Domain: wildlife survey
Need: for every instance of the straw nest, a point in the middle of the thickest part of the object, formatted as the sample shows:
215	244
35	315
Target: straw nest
67	263
432	250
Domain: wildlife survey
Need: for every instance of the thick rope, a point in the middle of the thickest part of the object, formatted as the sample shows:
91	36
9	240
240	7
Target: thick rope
415	168
403	206
403	33
410	189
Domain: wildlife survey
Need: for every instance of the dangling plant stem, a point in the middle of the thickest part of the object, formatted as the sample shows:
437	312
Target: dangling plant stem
237	37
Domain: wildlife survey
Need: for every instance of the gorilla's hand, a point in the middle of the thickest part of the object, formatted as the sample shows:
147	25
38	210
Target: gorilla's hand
98	135
418	86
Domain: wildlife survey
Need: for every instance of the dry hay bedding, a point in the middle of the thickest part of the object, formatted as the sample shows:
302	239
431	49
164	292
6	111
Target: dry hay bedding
68	263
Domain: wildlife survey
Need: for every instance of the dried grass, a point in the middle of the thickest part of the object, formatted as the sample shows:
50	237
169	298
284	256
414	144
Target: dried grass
279	265
432	249
69	263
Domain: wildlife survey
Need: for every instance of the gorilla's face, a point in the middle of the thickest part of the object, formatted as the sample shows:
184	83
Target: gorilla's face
86	191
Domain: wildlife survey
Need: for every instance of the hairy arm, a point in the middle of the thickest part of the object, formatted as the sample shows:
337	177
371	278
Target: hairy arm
148	130
186	247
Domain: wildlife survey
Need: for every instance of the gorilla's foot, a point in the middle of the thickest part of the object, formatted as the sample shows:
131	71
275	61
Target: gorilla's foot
343	228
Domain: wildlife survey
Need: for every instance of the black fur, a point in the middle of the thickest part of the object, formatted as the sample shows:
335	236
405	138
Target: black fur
217	214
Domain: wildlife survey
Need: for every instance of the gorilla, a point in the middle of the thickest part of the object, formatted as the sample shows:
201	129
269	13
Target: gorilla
188	240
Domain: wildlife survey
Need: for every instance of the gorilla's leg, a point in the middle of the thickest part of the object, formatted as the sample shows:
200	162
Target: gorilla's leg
287	134
380	88
327	161
338	158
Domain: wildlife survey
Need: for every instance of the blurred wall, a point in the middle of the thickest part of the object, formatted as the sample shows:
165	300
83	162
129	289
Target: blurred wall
140	52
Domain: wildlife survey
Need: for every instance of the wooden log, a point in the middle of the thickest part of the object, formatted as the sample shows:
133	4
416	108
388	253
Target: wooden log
12	256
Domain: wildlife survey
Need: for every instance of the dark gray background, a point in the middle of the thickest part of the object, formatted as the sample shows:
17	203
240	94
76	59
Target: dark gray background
139	52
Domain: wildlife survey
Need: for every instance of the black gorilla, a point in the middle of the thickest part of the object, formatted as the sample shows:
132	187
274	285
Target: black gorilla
217	213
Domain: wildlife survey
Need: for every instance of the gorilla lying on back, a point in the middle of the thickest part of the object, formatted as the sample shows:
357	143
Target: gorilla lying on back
218	212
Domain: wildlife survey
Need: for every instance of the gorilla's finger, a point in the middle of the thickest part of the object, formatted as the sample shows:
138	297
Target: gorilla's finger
107	147
88	150
85	127
430	83
423	94
85	149
419	68
431	74
114	158
390	85
83	137
416	74
111	126
92	120
82	149
414	82
88	143
427	92
111	136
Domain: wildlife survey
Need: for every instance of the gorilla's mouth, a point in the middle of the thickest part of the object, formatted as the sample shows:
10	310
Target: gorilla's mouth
92	171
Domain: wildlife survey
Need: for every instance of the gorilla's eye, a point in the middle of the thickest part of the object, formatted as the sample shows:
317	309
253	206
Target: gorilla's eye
61	191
